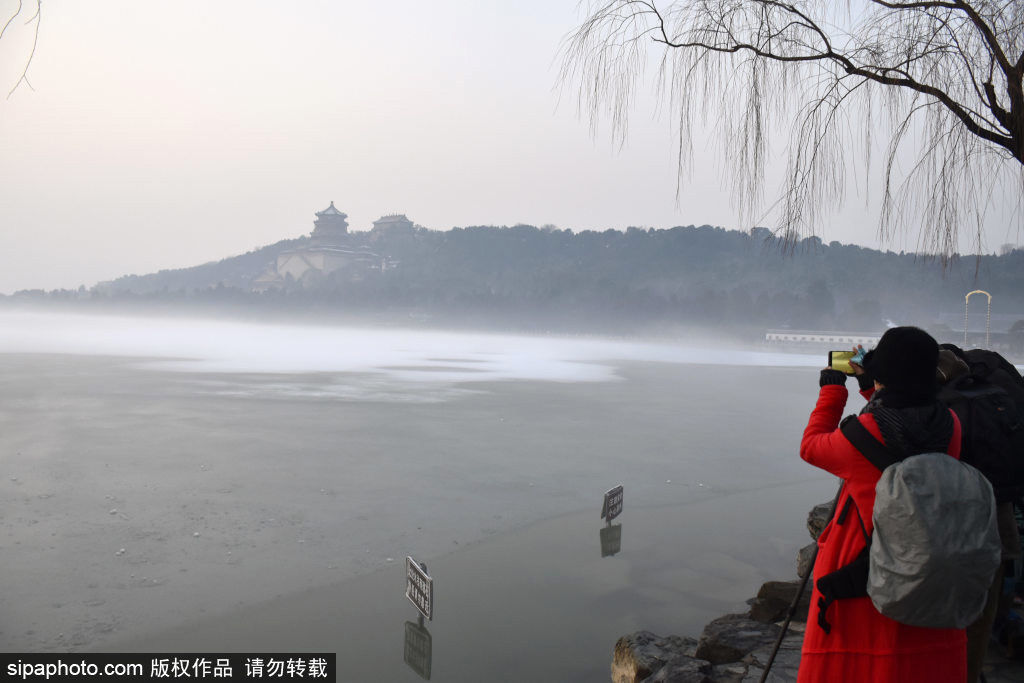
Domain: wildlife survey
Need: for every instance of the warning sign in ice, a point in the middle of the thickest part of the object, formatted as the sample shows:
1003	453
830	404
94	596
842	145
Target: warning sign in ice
612	507
419	588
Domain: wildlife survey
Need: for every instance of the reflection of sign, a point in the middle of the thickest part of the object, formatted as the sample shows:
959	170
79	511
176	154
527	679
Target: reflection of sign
612	504
611	540
419	588
419	649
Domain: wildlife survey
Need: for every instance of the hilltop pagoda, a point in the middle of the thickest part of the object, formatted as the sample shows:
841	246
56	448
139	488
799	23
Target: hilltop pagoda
330	226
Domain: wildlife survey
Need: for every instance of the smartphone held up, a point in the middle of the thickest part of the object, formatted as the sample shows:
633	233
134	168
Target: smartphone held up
840	360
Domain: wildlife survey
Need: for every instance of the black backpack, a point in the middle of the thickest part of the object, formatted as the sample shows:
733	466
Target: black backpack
990	404
992	367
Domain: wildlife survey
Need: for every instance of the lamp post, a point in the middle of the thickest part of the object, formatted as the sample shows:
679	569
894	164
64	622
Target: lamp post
988	315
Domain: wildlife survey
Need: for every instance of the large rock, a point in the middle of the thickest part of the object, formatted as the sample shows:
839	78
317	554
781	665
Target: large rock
818	517
785	665
641	654
773	601
734	672
805	559
730	638
684	670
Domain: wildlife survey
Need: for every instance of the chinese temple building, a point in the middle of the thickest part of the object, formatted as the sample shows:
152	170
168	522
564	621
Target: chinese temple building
395	222
328	251
330	226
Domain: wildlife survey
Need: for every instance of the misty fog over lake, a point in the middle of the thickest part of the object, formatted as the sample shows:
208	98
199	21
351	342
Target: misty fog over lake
166	474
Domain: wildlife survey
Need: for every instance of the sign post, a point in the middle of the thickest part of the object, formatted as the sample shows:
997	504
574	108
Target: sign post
612	507
419	587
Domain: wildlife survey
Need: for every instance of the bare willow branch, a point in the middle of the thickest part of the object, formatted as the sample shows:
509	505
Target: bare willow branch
950	99
37	19
13	17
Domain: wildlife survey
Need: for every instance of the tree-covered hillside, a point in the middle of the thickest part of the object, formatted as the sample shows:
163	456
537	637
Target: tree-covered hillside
611	279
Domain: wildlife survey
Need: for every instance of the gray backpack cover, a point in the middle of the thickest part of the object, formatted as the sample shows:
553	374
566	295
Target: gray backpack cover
936	545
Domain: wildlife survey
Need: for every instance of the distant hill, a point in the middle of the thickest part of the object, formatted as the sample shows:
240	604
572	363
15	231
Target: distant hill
234	271
550	278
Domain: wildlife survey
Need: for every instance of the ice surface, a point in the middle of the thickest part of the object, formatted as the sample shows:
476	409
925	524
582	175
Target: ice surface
400	355
223	498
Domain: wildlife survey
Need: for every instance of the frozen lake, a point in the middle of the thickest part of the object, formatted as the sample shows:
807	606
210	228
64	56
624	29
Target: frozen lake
168	478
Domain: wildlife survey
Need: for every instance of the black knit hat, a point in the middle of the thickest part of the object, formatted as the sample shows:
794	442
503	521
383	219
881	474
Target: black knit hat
905	361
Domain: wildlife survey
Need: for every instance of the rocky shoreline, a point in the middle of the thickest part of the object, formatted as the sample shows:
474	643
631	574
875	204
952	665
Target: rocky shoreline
735	648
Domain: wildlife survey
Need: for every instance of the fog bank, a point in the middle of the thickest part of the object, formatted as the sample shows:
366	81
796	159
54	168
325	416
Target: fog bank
401	354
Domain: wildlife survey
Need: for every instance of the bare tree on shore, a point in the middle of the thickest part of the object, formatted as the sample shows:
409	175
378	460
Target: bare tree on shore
937	84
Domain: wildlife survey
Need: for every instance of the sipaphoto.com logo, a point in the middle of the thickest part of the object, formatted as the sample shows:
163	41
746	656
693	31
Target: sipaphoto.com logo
60	669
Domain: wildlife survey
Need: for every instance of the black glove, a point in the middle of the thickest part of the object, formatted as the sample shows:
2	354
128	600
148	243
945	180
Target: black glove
830	376
866	380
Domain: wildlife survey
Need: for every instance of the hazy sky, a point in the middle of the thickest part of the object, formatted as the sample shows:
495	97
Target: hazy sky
165	134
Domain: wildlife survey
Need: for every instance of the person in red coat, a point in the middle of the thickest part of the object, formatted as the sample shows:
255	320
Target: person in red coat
847	639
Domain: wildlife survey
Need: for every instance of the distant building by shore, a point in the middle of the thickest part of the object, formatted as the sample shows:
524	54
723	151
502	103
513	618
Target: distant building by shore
1010	342
842	340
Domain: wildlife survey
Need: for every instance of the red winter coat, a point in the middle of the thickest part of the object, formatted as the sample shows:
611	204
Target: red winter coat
864	645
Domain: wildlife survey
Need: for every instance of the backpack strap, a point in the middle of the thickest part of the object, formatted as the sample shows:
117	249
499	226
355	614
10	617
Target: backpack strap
851	580
868	446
